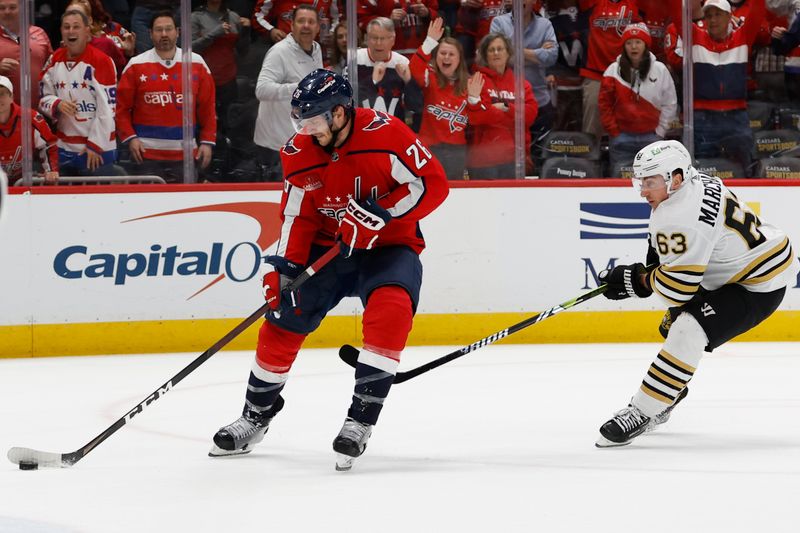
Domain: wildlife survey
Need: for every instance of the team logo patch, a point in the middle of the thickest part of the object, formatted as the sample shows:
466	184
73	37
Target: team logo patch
380	120
289	148
614	220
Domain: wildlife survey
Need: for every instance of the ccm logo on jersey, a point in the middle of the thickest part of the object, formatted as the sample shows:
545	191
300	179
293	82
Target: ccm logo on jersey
364	217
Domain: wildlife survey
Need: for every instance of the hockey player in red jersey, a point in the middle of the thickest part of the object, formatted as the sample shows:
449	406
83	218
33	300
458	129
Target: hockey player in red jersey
358	179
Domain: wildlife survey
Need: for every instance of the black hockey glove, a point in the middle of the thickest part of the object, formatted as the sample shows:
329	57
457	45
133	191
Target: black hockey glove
624	281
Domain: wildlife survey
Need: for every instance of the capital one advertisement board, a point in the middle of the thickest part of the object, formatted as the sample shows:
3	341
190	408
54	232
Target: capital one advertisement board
173	255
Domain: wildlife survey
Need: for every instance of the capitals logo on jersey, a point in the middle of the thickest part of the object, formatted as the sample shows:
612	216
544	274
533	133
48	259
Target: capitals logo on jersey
289	148
380	120
617	22
456	119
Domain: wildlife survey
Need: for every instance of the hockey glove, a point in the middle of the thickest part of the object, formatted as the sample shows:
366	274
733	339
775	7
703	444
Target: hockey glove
278	274
624	281
361	225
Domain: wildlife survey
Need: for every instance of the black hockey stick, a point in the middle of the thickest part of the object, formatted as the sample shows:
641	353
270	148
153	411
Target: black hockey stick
30	459
349	354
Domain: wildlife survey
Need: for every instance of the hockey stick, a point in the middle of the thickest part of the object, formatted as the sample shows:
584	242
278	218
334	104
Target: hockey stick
30	459
349	354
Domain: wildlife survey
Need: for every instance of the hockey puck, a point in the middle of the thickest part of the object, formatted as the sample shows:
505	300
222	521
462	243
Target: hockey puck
28	465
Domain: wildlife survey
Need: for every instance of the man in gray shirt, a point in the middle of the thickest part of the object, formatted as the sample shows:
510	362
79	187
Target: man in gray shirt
285	64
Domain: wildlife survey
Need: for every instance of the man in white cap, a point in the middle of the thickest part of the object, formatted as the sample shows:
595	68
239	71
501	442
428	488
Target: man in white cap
42	139
720	58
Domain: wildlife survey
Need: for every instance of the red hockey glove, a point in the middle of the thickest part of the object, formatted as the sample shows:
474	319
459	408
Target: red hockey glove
361	225
278	274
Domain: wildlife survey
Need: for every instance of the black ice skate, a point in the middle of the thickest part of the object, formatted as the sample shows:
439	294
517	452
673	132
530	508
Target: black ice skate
664	415
626	425
240	436
350	443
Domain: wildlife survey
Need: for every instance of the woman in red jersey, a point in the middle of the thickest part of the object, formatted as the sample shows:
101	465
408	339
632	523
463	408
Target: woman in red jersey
445	107
490	154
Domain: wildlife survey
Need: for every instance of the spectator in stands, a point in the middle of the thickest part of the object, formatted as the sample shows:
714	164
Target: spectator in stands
79	95
607	21
383	75
444	88
285	64
40	49
786	41
410	17
150	109
721	123
102	24
100	40
219	35
142	17
338	52
490	154
655	15
42	138
541	52
273	19
474	19
564	76
637	98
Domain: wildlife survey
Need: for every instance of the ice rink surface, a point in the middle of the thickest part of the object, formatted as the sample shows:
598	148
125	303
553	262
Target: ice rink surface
500	440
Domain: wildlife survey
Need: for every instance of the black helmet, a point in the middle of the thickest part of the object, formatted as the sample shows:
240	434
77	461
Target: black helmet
319	92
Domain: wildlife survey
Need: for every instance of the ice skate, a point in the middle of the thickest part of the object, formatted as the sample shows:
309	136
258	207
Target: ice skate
240	436
664	415
350	443
625	426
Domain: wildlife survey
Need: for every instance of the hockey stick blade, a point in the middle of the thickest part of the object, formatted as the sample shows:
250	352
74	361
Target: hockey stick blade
30	457
349	354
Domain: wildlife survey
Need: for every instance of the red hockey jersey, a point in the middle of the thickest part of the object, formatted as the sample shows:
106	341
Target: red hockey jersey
492	142
11	143
445	114
607	20
151	104
381	158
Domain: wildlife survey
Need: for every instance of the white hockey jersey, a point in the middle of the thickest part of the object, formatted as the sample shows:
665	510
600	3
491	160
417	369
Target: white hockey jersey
91	82
705	236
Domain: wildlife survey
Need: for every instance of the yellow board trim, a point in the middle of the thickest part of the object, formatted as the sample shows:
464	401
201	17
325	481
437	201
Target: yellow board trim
42	340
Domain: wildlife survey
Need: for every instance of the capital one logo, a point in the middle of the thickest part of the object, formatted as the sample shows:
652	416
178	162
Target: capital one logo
236	260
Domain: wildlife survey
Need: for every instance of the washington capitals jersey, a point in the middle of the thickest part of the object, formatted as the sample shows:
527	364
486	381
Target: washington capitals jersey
44	141
90	81
706	237
607	21
151	103
381	159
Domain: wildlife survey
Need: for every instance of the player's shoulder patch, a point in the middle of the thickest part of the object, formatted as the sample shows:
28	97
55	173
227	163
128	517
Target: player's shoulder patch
379	120
289	148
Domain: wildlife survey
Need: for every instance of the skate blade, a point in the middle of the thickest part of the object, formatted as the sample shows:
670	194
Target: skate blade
344	462
216	451
603	442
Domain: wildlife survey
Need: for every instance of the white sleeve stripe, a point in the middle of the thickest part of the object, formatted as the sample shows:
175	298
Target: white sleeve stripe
416	187
292	209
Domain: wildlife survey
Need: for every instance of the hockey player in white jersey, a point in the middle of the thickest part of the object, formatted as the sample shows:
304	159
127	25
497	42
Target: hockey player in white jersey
719	267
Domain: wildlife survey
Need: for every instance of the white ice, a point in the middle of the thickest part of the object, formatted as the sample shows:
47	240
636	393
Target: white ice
500	440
